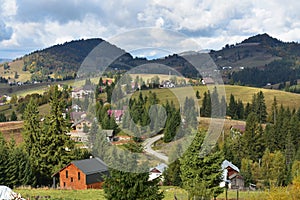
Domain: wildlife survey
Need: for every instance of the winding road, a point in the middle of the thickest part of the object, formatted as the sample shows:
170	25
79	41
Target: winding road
148	147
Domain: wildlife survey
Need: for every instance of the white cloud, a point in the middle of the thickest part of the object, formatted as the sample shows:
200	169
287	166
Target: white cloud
29	24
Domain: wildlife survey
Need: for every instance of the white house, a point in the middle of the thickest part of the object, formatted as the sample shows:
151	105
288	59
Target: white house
157	171
80	93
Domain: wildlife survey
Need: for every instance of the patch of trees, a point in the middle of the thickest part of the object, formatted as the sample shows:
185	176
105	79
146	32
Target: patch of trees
267	156
276	72
15	165
235	108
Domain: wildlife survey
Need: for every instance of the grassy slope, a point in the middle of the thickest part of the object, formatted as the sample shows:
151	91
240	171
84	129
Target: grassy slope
287	99
99	194
16	66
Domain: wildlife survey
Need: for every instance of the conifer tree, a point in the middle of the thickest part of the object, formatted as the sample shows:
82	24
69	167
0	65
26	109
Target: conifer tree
56	146
13	116
3	159
201	175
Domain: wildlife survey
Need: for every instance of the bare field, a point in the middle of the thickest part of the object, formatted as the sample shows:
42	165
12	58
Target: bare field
12	130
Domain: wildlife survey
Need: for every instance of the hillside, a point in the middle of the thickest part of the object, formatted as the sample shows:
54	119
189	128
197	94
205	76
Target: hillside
256	61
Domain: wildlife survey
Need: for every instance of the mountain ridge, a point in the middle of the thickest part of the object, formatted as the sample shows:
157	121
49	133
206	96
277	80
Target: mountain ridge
61	61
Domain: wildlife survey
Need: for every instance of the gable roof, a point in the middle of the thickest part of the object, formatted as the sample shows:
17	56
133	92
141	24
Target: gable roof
160	168
91	166
227	164
116	113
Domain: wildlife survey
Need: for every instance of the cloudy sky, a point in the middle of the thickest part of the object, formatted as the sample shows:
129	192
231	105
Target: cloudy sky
28	25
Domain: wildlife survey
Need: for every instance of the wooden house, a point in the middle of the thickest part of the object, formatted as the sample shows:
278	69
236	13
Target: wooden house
231	175
83	174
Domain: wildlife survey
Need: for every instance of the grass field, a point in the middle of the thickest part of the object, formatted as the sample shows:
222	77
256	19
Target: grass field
169	193
243	93
15	66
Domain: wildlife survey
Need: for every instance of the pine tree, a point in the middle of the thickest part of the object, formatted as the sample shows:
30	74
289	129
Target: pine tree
93	132
32	134
13	116
246	171
131	186
201	175
232	107
252	140
198	94
2	117
259	107
56	146
215	103
172	174
3	160
205	110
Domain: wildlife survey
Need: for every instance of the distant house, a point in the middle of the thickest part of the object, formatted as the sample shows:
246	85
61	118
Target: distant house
76	108
157	171
118	114
78	125
80	93
231	175
82	174
77	116
167	84
109	134
208	81
237	130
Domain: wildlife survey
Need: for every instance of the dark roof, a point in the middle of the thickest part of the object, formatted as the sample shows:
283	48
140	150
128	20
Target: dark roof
108	133
91	166
76	116
78	122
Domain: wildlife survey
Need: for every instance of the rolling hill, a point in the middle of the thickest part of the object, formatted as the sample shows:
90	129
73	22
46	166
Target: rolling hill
256	61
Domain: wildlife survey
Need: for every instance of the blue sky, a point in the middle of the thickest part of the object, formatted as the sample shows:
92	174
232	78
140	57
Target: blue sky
28	25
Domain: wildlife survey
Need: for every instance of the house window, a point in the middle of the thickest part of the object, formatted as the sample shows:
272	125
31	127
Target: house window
67	174
64	184
78	175
71	179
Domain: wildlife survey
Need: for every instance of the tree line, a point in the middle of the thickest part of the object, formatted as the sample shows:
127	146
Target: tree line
235	109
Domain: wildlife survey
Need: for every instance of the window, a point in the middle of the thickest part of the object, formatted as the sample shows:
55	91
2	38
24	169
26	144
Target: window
71	179
67	174
64	184
78	175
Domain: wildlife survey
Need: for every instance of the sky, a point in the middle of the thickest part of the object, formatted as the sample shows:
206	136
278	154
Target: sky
29	25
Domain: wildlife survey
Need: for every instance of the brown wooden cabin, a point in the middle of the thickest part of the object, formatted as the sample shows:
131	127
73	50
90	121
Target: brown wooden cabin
83	174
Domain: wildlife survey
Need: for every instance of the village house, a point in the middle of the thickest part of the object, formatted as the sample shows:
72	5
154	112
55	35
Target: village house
118	114
80	93
157	171
208	81
82	174
167	84
231	176
77	116
80	124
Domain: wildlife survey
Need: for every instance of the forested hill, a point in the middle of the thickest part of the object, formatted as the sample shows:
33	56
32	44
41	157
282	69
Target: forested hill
259	60
256	61
62	61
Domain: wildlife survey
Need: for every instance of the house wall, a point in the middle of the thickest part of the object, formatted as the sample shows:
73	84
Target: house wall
72	182
95	185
